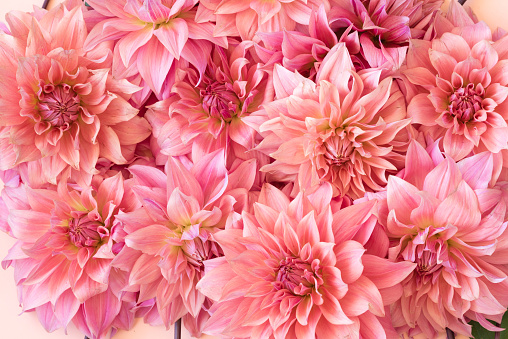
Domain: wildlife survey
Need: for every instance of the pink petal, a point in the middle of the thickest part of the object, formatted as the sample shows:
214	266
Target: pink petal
460	209
384	273
130	43
443	180
149	240
173	36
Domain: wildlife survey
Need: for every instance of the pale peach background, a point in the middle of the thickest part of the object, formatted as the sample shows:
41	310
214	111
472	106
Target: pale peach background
27	326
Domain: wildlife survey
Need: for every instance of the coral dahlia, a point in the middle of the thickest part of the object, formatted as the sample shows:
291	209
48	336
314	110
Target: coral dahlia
341	129
447	220
65	247
171	235
464	86
152	35
298	271
60	107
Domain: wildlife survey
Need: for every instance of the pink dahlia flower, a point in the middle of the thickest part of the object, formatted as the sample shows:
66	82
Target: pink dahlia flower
208	110
171	235
382	28
342	129
59	108
446	220
152	35
298	271
245	18
464	86
65	246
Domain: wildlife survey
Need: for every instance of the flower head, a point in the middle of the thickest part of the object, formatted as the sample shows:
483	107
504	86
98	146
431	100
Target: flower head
297	270
65	246
65	109
341	129
381	29
446	219
208	110
463	90
172	234
146	31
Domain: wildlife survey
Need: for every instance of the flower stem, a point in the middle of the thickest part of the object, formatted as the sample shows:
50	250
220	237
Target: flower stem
45	4
178	329
449	334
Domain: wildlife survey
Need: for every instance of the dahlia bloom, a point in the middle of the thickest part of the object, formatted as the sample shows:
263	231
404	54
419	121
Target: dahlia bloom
245	18
208	111
59	107
171	235
298	271
463	84
382	28
341	129
65	247
443	217
152	35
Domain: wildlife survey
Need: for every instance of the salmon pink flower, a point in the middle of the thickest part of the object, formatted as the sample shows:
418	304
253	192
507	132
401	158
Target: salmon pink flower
447	220
342	129
59	108
463	84
172	234
298	271
65	245
245	18
208	111
152	35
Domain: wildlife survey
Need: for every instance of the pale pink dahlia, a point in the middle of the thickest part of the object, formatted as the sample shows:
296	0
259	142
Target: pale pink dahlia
245	18
207	112
151	36
298	271
342	129
59	108
65	246
172	234
446	220
464	85
381	28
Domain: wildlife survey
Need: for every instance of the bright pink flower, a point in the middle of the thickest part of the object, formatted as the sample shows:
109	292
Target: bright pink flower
65	245
59	107
172	234
298	271
381	29
343	129
245	18
464	86
446	220
208	111
152	36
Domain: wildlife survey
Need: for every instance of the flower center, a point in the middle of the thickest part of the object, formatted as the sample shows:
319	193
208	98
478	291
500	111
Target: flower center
84	232
219	101
338	151
427	262
58	105
465	102
297	276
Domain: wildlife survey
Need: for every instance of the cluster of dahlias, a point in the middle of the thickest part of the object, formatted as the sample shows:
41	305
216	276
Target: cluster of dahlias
258	169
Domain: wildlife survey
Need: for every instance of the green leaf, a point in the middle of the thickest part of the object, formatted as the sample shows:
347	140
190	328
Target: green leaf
481	333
